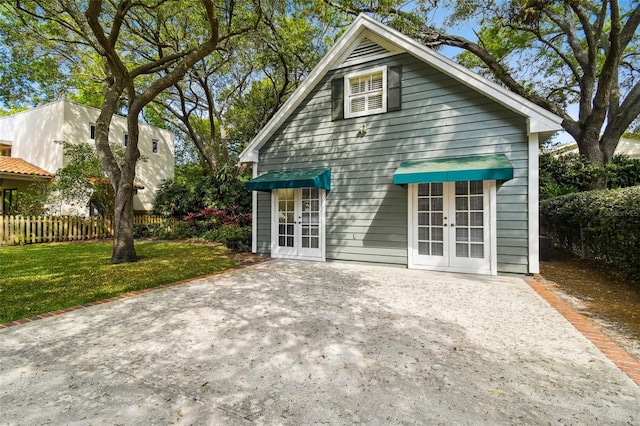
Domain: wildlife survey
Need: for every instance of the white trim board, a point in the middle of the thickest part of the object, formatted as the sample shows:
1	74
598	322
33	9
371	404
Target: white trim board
254	213
533	205
539	120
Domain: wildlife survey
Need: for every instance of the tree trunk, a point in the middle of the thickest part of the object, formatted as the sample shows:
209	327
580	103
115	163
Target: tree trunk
123	244
123	247
589	147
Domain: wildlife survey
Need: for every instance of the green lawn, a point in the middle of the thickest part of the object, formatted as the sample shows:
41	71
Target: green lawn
45	277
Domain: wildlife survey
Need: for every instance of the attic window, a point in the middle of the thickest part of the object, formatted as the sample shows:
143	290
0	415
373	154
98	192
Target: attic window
365	92
5	150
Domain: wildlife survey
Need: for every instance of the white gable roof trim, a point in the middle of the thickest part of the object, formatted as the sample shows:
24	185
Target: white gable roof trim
539	119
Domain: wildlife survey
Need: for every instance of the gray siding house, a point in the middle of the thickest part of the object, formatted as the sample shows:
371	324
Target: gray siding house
392	153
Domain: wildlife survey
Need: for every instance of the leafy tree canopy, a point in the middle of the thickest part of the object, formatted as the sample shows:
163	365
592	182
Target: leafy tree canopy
82	181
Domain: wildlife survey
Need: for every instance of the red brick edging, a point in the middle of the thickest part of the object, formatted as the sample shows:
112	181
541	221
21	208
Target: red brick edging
124	296
621	358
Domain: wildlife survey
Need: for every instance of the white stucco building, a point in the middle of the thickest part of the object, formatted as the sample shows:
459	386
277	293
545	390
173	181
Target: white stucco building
32	139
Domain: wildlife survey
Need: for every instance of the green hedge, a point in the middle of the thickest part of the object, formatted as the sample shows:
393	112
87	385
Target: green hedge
602	225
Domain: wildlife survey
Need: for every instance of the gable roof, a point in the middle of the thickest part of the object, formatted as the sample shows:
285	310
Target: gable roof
539	119
19	167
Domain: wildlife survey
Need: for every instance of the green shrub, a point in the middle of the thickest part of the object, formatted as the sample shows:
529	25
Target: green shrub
142	231
623	172
194	190
603	225
226	226
236	238
568	173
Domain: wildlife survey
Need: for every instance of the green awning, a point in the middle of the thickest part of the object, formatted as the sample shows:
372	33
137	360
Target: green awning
475	167
317	178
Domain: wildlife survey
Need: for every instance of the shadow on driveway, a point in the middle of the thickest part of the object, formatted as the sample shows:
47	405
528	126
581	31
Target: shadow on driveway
301	342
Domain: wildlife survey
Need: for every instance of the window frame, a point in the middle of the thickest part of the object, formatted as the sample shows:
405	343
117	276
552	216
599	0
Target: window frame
5	150
155	146
347	92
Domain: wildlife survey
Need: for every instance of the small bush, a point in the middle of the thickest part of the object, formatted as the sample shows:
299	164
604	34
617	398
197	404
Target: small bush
227	226
603	225
160	231
236	238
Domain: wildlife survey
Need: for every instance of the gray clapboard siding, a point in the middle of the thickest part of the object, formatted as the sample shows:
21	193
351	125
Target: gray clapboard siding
366	215
344	154
410	122
367	243
264	223
512	268
512	251
512	242
372	258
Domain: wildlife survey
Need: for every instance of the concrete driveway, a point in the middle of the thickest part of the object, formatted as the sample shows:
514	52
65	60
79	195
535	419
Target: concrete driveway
288	342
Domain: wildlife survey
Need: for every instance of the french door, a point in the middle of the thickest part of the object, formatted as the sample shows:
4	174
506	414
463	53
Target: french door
450	226
297	229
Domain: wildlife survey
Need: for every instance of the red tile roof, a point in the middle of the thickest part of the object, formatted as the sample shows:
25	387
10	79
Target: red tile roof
17	166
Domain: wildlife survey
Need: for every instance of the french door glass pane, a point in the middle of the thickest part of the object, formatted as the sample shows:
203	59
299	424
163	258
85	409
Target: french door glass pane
462	234
462	218
477	219
477	251
310	226
462	203
477	235
476	203
462	187
423	248
430	210
469	223
437	249
476	187
286	217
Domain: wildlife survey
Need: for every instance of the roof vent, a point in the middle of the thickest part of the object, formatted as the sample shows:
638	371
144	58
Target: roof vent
366	50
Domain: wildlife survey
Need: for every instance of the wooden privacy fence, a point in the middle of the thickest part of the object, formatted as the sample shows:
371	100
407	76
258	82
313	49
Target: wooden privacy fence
46	229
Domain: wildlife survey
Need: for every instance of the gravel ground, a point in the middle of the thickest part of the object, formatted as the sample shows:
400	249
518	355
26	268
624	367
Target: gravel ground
287	342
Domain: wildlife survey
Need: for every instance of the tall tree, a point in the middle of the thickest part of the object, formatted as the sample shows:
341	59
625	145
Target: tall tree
143	48
553	52
276	55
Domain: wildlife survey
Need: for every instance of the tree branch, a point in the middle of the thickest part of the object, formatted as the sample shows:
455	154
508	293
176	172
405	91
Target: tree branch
574	42
630	28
